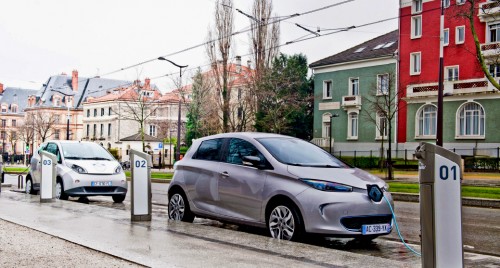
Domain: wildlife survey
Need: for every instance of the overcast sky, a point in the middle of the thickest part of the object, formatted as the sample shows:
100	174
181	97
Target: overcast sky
40	38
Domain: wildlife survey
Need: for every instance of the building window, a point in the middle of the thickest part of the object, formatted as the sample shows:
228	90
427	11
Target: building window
4	109
110	111
327	89
102	111
14	123
102	130
460	35
415	63
4	122
56	134
88	130
383	84
416	26
446	3
460	2
495	70
152	130
494	32
381	126
427	121
95	112
95	130
451	73
109	129
14	109
240	112
352	126
326	125
88	112
2	135
446	37
353	86
471	120
416	6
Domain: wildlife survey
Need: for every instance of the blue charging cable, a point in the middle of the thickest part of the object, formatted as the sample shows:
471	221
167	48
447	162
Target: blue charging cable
397	229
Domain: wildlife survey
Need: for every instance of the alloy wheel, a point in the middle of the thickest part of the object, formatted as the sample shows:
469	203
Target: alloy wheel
58	190
281	223
176	207
28	187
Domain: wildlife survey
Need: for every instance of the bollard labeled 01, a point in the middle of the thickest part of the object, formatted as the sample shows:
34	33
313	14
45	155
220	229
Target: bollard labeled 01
48	178
141	185
440	206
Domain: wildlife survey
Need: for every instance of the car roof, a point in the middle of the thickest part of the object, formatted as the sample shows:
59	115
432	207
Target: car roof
254	135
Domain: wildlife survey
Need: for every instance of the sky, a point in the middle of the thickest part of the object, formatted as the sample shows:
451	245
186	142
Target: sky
41	38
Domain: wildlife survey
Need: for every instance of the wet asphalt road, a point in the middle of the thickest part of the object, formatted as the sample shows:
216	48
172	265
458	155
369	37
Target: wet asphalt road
481	229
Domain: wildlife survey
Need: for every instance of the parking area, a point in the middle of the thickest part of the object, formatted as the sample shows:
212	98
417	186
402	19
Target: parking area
101	225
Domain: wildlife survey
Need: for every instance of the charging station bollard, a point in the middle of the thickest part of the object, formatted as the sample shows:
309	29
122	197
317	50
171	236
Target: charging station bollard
440	206
48	180
141	185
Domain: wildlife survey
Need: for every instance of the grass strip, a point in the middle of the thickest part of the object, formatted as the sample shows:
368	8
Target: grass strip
467	190
155	175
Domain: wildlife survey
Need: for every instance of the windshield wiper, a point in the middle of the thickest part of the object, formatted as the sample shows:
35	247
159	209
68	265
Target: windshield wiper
73	157
96	158
325	165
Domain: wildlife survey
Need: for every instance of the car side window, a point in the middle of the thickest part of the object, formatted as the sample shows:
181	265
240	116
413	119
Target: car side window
239	148
209	150
53	149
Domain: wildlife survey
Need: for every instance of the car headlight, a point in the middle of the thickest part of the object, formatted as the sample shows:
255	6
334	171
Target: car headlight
118	170
327	186
78	168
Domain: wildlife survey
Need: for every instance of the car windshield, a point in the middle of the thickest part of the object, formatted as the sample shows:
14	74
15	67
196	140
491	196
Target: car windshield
85	151
292	151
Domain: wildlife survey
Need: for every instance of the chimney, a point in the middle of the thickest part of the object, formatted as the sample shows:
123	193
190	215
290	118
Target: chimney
238	64
147	83
1	88
74	80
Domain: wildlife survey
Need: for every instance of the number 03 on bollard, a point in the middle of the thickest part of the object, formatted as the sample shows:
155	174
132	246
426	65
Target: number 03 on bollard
141	186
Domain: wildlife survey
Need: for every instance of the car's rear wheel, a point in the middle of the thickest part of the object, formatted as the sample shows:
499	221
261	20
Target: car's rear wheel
28	189
178	207
118	198
60	191
284	222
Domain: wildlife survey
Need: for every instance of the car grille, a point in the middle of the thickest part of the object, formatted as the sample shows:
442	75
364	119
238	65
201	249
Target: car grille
98	189
355	223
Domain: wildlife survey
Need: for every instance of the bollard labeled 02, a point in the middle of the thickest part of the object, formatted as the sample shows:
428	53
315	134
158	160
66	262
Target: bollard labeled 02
141	185
48	178
440	206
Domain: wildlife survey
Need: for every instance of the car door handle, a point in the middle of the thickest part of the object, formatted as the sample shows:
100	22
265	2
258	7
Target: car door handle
224	174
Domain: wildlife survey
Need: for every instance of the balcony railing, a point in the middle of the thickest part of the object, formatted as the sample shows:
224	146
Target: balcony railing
353	101
450	87
488	11
489	50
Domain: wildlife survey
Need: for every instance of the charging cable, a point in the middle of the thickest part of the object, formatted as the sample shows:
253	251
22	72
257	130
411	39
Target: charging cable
397	229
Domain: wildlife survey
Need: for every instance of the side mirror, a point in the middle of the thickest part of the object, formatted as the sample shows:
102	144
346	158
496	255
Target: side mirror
253	161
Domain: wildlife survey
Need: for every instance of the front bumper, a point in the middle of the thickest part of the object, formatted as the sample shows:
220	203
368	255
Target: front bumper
96	190
342	214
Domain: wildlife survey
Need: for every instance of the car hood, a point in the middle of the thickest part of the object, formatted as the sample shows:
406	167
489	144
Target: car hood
95	167
349	176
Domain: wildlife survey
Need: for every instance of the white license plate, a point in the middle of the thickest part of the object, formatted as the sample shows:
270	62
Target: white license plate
101	183
375	229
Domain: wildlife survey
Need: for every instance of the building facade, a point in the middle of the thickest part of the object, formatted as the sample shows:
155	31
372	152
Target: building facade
471	103
347	88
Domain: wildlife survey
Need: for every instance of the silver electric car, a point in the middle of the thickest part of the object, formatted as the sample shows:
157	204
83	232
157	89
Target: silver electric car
83	169
287	185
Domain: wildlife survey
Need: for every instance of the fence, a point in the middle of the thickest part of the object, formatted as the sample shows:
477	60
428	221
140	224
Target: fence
475	159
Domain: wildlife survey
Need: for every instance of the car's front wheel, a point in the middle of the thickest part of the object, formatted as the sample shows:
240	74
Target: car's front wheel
118	198
178	208
284	222
60	191
29	187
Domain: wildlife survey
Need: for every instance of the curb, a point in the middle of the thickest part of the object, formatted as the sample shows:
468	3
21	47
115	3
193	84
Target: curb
470	202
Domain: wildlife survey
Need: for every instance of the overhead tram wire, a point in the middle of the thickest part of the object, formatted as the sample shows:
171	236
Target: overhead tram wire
232	34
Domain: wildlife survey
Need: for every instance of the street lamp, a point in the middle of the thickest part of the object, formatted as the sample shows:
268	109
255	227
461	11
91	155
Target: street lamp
67	124
178	149
331	129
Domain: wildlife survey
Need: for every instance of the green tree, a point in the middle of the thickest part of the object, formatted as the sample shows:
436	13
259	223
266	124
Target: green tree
286	98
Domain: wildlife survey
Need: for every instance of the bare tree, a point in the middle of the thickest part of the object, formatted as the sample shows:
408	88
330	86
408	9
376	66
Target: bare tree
139	105
13	137
469	11
27	131
43	123
219	54
381	108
